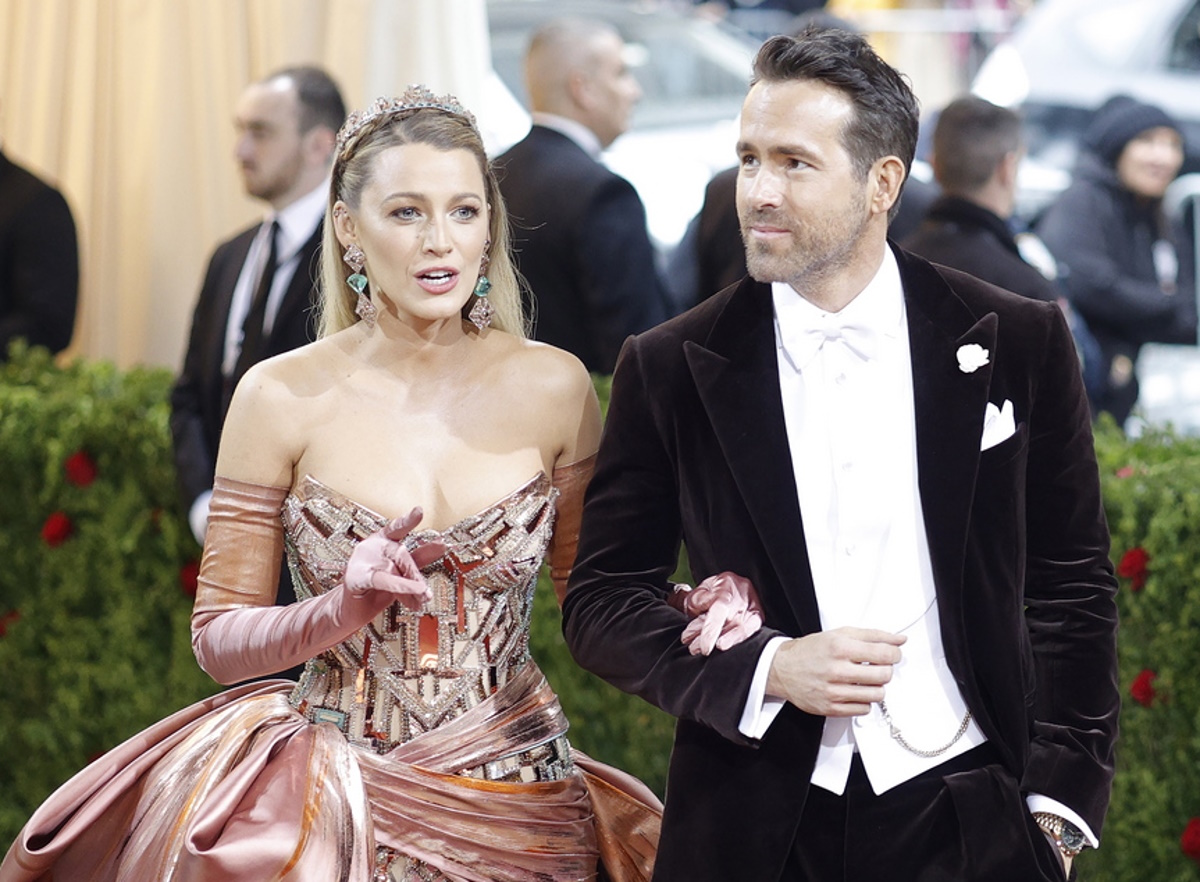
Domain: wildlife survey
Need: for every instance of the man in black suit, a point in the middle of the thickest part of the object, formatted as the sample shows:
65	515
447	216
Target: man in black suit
898	458
976	154
257	297
579	230
39	261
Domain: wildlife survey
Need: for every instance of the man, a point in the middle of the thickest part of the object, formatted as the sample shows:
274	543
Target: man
257	296
976	153
579	230
39	262
898	458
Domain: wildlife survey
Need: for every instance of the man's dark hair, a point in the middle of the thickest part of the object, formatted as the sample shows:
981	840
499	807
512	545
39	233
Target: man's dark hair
320	99
972	137
885	116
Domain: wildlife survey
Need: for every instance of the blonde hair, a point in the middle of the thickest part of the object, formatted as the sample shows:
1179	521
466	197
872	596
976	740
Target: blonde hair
352	171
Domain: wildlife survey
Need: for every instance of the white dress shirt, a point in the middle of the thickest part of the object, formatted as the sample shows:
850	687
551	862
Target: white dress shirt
297	222
576	131
846	385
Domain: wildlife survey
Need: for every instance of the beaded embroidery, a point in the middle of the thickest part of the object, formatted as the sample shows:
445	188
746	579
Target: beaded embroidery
409	672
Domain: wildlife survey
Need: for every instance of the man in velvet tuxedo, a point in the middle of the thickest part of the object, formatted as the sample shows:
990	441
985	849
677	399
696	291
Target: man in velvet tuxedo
898	459
257	298
579	230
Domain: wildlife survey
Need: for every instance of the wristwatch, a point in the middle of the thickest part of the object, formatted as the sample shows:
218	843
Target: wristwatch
1069	838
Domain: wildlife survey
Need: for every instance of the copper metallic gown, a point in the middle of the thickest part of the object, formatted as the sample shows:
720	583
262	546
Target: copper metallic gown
427	746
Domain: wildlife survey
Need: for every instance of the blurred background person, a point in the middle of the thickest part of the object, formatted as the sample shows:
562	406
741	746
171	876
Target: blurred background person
977	150
579	230
39	261
976	153
1125	269
258	297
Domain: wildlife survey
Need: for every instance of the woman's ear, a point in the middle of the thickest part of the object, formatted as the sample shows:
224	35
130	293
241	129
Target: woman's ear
343	224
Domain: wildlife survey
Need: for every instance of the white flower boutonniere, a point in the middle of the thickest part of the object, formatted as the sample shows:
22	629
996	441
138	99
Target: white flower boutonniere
971	358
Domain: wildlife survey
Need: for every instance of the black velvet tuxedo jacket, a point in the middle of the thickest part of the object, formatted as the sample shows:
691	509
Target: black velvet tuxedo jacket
695	448
198	399
579	234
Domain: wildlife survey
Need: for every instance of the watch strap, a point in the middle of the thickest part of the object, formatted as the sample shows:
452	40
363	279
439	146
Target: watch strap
1067	837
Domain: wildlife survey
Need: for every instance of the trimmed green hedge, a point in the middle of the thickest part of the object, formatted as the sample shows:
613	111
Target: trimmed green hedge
99	566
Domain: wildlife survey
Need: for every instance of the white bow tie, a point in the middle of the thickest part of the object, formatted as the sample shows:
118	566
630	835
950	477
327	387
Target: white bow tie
804	343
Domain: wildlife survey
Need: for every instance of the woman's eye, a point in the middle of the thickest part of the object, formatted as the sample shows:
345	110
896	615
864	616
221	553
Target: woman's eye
405	213
466	212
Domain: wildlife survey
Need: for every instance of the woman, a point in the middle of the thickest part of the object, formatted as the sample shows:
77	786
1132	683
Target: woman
421	742
1127	272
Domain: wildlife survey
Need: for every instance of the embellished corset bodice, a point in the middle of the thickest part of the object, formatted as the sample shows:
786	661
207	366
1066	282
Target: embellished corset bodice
406	673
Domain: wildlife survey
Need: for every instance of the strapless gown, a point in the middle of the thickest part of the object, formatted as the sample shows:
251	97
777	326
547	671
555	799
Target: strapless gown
427	746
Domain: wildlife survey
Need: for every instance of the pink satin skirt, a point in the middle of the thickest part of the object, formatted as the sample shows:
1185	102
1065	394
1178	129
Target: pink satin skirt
241	788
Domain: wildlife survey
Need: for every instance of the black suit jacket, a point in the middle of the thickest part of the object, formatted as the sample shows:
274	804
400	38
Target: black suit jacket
969	237
579	233
198	400
695	448
39	262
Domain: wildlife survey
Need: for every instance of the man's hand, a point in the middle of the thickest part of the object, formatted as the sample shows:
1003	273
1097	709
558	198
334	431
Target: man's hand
835	673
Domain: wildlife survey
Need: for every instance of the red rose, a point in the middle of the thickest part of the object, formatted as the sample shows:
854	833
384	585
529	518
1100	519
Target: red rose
1142	689
80	469
1189	842
57	529
1133	567
7	619
189	573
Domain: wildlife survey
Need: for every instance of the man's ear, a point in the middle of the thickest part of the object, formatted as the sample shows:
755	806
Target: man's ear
887	175
319	144
1006	170
579	89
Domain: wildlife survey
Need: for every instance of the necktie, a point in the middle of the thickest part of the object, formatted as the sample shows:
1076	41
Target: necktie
252	327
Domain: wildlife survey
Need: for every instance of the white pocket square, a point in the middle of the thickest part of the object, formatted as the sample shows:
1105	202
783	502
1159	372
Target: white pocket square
998	424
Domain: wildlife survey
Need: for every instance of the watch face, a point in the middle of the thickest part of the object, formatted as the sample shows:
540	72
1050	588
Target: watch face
1072	837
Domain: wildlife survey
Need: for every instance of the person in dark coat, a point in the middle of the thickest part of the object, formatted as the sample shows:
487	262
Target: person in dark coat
1126	269
258	295
977	148
976	153
888	466
579	230
39	261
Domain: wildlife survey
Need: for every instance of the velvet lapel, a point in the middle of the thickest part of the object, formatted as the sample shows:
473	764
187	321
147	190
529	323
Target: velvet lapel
949	404
737	379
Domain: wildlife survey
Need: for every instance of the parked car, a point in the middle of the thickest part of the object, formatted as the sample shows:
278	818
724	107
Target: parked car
1066	57
694	73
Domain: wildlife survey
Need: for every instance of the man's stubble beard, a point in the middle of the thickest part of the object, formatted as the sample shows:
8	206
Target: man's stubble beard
818	253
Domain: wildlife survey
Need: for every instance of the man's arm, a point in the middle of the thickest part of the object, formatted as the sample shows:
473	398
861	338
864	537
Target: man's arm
195	458
1069	594
616	618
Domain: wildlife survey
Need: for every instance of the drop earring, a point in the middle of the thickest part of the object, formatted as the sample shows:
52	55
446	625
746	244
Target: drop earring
481	313
356	260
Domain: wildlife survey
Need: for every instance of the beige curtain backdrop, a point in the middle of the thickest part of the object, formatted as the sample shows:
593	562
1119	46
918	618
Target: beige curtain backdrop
126	105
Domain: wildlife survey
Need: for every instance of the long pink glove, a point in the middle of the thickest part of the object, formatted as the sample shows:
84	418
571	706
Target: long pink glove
237	634
724	610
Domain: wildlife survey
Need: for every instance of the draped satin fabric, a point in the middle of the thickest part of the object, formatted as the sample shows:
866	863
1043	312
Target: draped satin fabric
241	788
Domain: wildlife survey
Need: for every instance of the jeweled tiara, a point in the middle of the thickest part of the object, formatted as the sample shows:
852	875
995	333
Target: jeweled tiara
414	98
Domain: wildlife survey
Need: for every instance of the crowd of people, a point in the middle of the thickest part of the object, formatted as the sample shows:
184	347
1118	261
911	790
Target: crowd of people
867	415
